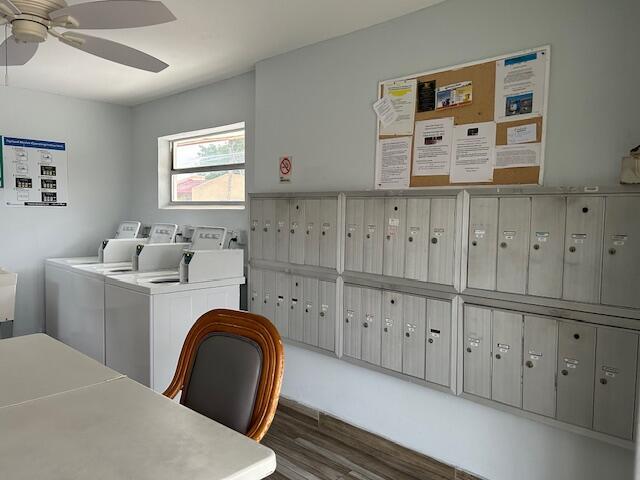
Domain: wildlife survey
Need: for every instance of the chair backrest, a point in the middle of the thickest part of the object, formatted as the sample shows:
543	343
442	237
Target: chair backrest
230	370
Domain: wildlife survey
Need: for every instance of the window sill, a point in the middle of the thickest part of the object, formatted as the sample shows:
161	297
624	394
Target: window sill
201	207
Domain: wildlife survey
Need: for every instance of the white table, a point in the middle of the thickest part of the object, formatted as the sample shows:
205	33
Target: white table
105	426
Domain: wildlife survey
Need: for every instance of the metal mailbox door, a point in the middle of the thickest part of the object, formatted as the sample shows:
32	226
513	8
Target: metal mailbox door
392	331
615	382
514	223
371	325
477	351
310	314
373	235
255	291
283	295
269	229
329	232
269	295
351	319
413	347
506	377
327	315
416	256
576	363
255	235
583	249
442	241
483	236
548	216
621	263
296	316
439	342
296	231
539	365
312	231
282	230
353	235
395	217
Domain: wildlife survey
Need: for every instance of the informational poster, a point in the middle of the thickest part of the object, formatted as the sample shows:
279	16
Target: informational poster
522	134
522	155
403	98
392	165
35	172
473	153
385	111
520	85
285	166
432	147
454	95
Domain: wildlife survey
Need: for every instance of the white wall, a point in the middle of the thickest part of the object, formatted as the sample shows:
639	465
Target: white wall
98	138
222	103
315	104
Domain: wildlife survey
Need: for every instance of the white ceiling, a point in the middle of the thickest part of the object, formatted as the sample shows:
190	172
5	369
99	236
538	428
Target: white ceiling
210	41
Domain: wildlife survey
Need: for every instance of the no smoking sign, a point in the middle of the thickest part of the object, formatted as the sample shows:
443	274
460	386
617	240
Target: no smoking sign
285	167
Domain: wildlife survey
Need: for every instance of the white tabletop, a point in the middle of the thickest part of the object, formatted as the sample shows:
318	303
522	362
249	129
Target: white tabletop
37	366
117	429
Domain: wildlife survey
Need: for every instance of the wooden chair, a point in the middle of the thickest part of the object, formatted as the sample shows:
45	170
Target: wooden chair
230	370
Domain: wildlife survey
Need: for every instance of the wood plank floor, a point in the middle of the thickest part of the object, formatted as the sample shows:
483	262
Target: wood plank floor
315	446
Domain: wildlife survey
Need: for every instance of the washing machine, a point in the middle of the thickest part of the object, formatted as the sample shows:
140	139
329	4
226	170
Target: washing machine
74	287
148	315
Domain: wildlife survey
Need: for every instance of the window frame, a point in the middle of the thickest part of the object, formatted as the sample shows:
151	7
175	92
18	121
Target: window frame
224	129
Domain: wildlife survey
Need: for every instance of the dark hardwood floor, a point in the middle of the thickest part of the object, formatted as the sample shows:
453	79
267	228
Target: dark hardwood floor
315	446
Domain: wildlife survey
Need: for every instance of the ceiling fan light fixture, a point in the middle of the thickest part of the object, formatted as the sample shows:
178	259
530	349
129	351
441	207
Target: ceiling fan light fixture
28	31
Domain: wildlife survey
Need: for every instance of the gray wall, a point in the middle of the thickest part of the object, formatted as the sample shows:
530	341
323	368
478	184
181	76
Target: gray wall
98	138
222	103
315	104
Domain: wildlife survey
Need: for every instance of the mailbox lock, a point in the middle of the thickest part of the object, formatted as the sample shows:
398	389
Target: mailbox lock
469	349
265	301
365	325
322	314
265	229
536	247
565	372
253	229
393	301
324	233
503	245
297	207
411	239
498	356
612	251
576	336
368	235
386	329
346	320
529	364
349	235
306	310
292	231
572	249
395	208
291	307
434	240
603	381
585	209
474	243
388	237
308	232
407	334
279	230
431	340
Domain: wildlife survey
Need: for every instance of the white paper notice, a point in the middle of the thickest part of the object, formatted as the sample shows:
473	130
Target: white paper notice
392	166
473	153
403	97
520	86
524	155
432	147
522	134
385	111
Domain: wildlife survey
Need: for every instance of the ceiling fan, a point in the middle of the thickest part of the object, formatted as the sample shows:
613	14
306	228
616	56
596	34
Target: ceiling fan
32	21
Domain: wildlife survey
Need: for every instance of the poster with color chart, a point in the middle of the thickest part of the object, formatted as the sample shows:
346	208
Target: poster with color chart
35	172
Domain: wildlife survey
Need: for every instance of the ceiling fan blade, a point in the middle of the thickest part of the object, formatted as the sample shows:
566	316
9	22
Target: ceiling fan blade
115	14
14	53
116	52
10	7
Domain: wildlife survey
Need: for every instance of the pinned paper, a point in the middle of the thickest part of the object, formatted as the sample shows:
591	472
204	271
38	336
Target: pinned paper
402	95
522	134
385	111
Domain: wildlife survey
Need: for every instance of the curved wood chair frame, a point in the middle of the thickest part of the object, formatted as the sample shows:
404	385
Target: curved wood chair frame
253	327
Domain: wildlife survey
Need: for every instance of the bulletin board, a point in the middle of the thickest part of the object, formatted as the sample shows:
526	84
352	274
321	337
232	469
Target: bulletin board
481	123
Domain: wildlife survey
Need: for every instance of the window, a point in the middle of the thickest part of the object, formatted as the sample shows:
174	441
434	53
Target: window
209	168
